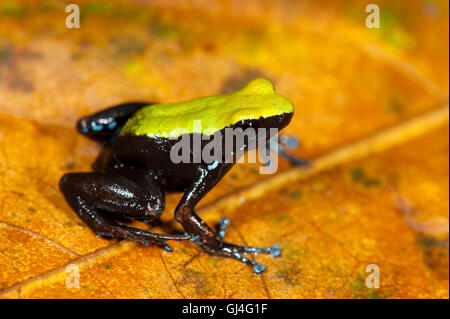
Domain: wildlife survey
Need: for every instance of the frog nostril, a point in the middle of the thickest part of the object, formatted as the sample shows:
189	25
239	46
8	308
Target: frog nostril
82	126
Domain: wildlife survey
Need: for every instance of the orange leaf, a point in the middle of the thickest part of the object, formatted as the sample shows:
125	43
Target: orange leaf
371	114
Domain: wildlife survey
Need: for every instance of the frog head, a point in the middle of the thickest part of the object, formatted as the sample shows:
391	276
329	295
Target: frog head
261	106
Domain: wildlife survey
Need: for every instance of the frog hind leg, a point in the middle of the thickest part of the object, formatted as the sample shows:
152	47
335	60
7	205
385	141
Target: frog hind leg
202	234
94	195
104	125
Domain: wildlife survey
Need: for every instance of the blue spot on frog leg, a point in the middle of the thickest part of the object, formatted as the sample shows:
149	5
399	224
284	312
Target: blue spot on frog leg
275	251
259	268
213	165
112	125
166	247
224	223
97	127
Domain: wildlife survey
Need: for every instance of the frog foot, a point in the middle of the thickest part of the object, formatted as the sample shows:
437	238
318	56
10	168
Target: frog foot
223	224
290	142
218	247
242	253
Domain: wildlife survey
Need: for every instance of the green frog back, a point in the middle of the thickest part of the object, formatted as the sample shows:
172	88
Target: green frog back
207	115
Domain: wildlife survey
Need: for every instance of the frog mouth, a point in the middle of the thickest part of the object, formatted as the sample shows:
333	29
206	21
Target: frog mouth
271	122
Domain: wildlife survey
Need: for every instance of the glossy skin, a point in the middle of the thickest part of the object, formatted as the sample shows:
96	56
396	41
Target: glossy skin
133	173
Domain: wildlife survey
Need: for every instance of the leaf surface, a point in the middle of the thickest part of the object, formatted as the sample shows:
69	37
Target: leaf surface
371	114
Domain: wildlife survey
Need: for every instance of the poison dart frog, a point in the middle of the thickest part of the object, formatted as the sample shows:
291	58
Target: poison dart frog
134	170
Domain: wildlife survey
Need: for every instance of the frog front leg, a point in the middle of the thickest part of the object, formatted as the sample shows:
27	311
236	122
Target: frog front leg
278	144
201	233
98	197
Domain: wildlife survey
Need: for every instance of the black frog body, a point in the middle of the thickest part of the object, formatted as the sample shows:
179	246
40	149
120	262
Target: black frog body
135	169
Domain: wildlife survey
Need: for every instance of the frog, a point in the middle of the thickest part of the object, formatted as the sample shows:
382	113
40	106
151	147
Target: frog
134	171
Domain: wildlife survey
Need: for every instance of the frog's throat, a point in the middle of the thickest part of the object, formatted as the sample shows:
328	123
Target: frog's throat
208	115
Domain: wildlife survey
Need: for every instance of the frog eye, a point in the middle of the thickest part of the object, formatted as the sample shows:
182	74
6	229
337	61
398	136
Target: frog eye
245	124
